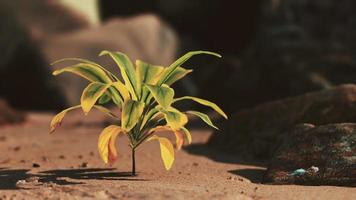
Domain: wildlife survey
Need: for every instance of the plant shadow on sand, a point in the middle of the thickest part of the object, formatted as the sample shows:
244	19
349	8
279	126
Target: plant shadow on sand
254	175
10	177
60	176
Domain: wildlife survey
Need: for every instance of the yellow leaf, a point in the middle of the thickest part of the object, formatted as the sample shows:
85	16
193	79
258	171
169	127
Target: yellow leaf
57	119
131	113
170	70
203	102
175	119
86	70
179	139
123	92
203	117
167	151
91	94
87	62
177	74
106	143
127	71
178	134
187	134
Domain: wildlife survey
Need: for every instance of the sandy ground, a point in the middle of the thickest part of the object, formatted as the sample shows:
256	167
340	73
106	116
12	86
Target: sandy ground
66	165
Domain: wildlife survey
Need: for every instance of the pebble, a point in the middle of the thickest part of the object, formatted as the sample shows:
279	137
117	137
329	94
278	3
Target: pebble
36	165
17	148
84	165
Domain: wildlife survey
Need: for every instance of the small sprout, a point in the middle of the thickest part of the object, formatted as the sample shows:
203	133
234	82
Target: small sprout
145	98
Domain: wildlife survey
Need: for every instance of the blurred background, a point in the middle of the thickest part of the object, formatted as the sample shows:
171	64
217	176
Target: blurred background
271	49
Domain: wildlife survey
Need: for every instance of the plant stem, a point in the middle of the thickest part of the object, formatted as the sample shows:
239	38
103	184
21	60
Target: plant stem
133	161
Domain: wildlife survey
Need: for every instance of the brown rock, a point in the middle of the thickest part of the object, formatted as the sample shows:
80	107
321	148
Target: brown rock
145	37
327	153
9	115
256	131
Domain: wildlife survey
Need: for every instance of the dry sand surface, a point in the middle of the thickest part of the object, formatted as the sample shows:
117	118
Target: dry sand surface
66	165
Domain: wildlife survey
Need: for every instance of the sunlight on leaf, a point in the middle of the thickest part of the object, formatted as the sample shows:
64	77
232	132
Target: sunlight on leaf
131	112
203	117
187	134
165	76
91	94
127	71
163	94
175	119
107	144
87	71
167	151
203	102
57	119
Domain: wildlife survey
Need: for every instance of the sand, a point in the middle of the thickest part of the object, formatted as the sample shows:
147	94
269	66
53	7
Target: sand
66	165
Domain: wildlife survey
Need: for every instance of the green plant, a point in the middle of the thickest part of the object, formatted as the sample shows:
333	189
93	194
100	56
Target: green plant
145	100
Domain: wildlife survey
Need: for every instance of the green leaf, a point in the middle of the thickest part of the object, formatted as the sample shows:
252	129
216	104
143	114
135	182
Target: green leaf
177	74
203	117
146	74
105	98
203	102
167	73
163	94
127	71
149	116
91	94
87	71
175	119
167	150
87	62
131	113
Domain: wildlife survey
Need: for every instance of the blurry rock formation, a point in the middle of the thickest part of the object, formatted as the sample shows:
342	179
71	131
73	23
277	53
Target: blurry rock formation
24	73
327	153
8	115
224	26
144	37
255	132
300	46
46	30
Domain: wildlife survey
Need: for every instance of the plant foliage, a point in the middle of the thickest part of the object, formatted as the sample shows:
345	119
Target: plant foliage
145	98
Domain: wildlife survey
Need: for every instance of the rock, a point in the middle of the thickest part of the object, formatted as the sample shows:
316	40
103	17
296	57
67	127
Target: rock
327	153
144	37
291	53
193	20
45	17
36	165
24	73
256	131
9	116
84	165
